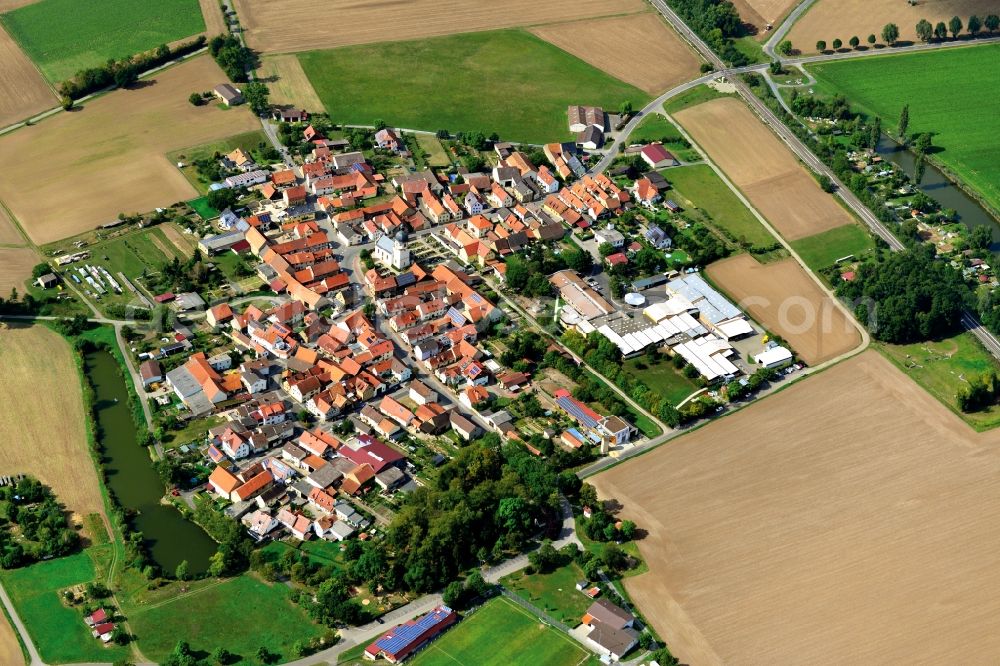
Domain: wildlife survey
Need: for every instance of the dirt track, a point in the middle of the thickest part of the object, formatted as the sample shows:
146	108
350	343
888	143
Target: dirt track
763	168
783	298
849	519
99	160
23	91
638	49
833	19
303	25
45	436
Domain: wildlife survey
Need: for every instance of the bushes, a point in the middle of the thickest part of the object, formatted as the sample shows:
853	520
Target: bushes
123	72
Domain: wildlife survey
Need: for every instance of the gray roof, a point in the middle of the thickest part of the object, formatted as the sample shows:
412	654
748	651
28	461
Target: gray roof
325	476
189	300
711	304
342	529
190	390
615	641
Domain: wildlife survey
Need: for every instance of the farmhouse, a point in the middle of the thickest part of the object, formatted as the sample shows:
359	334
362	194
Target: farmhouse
582	117
229	95
611	631
657	157
590	138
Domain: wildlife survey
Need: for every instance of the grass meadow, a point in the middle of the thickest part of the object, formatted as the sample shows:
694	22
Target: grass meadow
57	630
661	377
942	367
699	186
505	81
554	592
823	249
240	614
949	93
498	634
62	38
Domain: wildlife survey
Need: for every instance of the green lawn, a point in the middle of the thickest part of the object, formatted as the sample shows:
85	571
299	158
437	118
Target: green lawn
499	634
506	81
939	367
662	378
249	141
947	91
823	249
692	97
200	206
240	615
63	36
58	631
554	592
655	127
700	187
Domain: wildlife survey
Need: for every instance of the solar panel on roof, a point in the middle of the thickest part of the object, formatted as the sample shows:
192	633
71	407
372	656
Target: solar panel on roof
574	409
403	635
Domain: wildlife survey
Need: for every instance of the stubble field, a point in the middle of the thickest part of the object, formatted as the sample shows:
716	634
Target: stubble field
761	12
288	83
15	267
763	168
111	161
848	519
42	426
282	26
23	91
842	19
782	297
638	49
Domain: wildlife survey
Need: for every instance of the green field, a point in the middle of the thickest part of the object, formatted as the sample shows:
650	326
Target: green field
249	141
62	36
57	630
655	127
661	378
554	592
701	186
498	634
508	82
200	206
240	614
948	92
823	249
692	97
940	368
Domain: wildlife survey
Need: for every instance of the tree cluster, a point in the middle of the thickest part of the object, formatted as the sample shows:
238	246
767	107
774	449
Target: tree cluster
232	56
718	22
124	72
980	393
907	296
42	529
527	273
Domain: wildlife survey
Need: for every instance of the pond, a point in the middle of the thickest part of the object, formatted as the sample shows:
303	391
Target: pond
937	186
170	537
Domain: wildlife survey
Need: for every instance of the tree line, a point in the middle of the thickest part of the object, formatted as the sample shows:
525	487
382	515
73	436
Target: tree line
717	22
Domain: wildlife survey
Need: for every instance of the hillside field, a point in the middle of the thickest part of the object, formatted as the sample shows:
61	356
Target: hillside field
506	81
947	91
62	38
848	519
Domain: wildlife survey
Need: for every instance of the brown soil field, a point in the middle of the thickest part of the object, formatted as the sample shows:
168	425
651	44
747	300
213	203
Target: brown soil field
183	243
847	520
304	25
288	83
763	168
112	153
9	235
832	19
45	436
639	49
23	91
761	12
7	5
10	649
15	268
214	22
782	297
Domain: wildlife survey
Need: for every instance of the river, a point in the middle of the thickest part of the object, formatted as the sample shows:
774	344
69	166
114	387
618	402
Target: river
937	186
170	537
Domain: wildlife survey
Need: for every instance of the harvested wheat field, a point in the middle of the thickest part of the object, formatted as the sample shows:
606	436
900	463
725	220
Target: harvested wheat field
841	19
761	12
850	519
617	44
305	25
46	435
763	168
183	242
112	153
10	649
215	24
789	303
9	235
15	268
288	83
23	91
